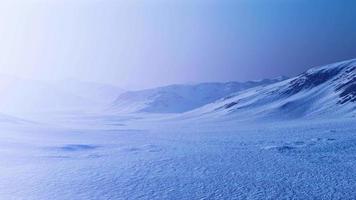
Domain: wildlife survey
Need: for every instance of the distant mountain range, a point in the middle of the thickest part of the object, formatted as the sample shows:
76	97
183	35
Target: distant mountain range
180	98
326	91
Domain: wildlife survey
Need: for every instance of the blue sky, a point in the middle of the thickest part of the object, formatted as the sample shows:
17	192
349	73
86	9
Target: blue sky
140	44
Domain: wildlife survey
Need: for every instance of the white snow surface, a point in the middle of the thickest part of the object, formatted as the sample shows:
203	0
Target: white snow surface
150	157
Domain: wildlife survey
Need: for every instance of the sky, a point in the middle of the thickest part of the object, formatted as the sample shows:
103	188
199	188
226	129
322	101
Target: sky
147	43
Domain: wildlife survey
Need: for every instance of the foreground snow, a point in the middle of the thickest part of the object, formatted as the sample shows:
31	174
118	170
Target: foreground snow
148	159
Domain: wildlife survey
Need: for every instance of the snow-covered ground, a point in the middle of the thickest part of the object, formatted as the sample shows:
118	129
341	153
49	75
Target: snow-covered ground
285	139
149	157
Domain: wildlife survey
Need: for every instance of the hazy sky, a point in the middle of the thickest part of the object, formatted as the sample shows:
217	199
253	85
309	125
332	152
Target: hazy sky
145	43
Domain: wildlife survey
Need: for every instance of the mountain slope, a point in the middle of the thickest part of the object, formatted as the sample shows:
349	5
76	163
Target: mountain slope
326	91
180	98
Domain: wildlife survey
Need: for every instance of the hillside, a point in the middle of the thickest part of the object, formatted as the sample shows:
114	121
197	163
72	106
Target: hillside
326	91
180	98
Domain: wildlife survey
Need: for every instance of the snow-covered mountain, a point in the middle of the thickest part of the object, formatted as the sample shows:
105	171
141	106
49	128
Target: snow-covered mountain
180	98
326	91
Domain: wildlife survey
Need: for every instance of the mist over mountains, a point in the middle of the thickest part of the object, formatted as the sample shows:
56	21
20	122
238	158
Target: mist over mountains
321	91
22	96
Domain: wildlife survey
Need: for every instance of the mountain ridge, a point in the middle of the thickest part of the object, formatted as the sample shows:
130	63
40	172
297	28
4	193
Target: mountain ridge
322	91
179	98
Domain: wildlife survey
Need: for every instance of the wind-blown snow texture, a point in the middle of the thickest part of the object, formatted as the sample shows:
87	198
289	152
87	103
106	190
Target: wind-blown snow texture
295	139
295	160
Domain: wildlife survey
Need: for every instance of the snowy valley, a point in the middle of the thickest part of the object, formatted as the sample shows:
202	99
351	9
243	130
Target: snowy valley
284	138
